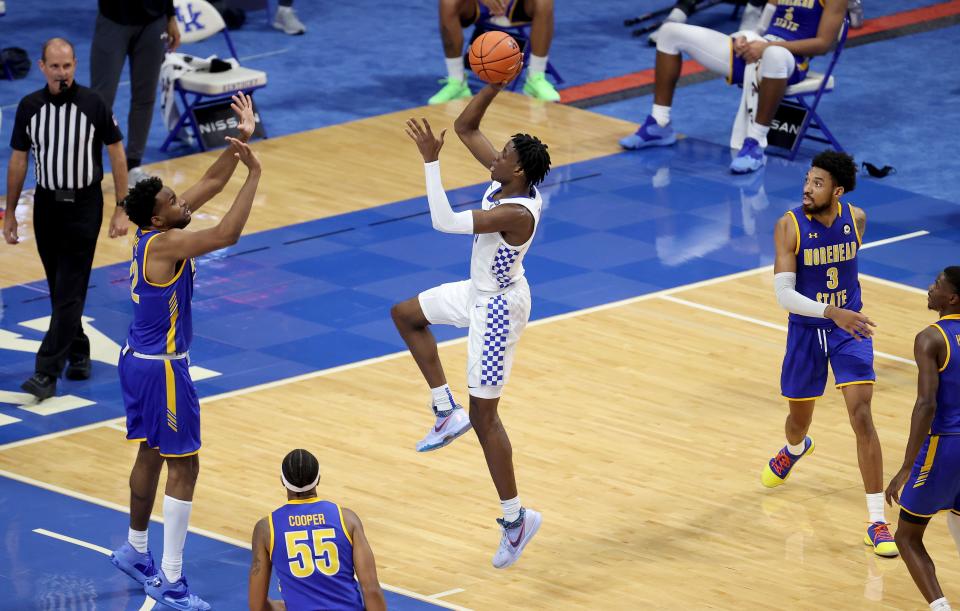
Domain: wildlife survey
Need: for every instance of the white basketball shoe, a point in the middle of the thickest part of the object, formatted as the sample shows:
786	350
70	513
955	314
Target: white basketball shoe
450	424
515	537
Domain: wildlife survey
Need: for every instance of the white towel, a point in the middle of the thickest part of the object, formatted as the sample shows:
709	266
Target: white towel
748	100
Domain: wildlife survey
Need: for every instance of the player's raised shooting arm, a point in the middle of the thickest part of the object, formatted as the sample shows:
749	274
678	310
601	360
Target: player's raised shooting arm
179	245
364	564
218	174
260	571
467	125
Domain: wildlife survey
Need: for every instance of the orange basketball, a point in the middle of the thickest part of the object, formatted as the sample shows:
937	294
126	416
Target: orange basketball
496	57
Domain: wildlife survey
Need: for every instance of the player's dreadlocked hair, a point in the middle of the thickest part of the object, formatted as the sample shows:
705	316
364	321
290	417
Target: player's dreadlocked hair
534	158
300	467
141	200
841	168
952	274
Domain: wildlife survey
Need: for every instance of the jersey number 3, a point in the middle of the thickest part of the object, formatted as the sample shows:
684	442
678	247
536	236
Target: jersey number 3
832	278
322	557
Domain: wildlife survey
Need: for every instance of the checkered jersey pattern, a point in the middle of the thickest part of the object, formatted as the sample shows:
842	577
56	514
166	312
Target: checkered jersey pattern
502	264
495	342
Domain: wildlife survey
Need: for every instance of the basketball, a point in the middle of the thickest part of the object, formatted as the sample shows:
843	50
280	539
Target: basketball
496	57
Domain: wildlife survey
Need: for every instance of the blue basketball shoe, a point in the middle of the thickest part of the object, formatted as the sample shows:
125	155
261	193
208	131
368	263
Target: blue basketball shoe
778	469
650	134
133	563
175	595
749	159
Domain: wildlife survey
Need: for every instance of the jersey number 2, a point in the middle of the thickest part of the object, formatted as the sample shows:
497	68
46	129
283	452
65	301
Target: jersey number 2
134	278
322	557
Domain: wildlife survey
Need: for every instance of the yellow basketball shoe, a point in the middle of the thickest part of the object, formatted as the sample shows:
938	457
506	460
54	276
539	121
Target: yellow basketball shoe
878	535
778	469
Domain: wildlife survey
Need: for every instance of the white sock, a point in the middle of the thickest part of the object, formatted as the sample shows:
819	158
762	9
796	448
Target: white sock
442	398
138	539
953	523
941	604
176	518
537	64
676	16
758	132
511	509
875	507
661	114
796	450
455	70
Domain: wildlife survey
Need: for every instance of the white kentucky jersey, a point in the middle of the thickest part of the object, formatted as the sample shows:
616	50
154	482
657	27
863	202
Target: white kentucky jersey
496	265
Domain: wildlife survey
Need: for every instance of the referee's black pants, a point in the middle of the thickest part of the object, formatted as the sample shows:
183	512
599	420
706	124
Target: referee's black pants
66	233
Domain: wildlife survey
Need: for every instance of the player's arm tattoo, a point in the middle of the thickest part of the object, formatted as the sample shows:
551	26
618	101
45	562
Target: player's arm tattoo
255	565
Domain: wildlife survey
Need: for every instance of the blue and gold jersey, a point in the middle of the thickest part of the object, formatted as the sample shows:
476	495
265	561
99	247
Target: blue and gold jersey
162	322
827	262
312	554
796	19
946	420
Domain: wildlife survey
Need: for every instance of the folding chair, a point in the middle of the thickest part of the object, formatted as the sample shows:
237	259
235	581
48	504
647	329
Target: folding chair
815	85
198	20
521	33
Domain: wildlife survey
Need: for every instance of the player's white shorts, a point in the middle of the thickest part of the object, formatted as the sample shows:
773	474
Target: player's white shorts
496	321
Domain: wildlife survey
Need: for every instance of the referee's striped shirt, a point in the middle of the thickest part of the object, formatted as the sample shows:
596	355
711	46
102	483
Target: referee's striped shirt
66	133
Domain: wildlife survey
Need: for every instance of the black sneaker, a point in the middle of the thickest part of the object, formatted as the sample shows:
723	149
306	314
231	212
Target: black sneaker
41	386
78	369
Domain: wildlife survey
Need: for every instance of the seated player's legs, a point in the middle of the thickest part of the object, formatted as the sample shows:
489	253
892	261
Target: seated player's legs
454	16
803	376
710	48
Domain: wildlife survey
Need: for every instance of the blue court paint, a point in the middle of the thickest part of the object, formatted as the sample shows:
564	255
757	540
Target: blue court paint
317	295
39	572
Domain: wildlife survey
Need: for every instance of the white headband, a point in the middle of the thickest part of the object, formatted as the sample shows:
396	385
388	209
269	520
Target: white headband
293	488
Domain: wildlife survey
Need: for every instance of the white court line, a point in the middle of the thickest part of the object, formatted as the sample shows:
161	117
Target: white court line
896	285
764	323
81	543
265	54
148	603
199	531
445	593
405	353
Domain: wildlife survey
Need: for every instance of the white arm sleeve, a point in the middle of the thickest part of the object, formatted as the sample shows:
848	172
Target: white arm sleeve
443	217
785	286
766	17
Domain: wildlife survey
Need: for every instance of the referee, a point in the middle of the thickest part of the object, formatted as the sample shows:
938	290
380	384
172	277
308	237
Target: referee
66	126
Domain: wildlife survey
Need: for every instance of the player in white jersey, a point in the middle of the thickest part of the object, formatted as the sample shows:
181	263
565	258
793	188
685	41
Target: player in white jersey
494	303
